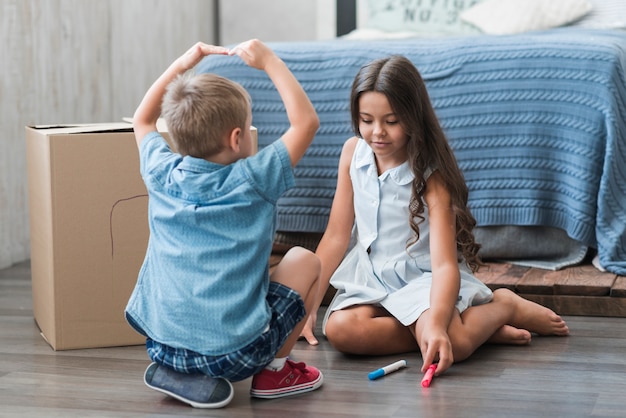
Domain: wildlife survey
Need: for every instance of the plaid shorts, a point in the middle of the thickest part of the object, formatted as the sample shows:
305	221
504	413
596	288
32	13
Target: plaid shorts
287	309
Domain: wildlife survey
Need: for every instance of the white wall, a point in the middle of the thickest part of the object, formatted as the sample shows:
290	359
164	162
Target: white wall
78	61
276	20
82	61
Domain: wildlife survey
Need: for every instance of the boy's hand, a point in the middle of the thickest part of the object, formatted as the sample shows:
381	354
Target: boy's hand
149	109
303	120
195	54
254	53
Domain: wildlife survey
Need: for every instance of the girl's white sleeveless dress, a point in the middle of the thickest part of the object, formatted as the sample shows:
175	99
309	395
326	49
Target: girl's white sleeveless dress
379	268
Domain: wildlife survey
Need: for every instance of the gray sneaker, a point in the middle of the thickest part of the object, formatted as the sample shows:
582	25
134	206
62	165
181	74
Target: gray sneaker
197	390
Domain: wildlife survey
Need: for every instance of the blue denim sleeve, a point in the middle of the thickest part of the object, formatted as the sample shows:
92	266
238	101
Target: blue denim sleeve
155	155
270	170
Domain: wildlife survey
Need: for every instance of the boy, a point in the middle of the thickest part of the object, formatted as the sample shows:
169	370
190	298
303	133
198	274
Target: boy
204	298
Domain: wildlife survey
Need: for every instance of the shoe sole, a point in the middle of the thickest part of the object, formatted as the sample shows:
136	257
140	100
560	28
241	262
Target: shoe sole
214	405
288	391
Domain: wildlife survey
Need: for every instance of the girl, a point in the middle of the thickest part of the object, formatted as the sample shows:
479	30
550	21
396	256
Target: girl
401	206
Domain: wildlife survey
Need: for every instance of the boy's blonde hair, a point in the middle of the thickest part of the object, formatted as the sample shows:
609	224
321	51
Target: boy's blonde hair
200	110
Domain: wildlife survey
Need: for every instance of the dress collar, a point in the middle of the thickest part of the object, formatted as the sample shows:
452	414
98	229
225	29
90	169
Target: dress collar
364	157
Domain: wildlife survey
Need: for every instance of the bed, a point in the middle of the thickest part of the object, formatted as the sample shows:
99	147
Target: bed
537	121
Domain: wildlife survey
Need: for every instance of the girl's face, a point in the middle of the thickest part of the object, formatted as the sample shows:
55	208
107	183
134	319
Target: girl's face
381	129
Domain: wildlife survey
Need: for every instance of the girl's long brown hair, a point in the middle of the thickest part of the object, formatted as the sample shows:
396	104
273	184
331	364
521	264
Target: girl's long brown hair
398	79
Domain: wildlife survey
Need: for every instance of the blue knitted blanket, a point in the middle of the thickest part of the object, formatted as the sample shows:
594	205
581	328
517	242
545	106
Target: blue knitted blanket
537	122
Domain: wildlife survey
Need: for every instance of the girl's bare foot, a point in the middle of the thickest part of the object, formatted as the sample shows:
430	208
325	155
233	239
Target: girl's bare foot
531	316
507	334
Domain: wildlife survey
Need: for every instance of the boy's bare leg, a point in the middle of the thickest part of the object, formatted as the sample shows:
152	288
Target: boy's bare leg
299	270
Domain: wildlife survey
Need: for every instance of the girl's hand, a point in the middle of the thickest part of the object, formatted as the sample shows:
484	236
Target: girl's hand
309	327
436	347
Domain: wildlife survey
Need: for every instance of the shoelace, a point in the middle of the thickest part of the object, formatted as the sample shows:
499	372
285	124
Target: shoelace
299	366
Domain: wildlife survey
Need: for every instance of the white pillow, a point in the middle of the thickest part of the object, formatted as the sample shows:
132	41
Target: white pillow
432	18
605	14
504	17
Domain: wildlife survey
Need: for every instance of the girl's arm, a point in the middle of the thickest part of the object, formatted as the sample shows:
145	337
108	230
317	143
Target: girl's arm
336	239
446	276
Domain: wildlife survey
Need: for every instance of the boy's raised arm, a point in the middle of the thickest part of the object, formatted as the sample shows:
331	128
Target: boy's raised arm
303	119
149	110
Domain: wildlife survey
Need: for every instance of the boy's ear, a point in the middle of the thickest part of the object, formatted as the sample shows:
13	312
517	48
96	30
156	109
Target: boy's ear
233	139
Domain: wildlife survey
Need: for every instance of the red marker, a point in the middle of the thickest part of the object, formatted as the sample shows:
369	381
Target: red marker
428	376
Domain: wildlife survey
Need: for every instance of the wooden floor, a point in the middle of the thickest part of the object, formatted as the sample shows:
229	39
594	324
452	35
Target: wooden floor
583	375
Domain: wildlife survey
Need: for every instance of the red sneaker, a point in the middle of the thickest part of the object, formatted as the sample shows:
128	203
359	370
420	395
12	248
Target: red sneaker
294	378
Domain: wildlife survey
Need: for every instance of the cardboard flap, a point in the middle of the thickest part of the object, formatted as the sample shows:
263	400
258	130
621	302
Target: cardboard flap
83	128
161	125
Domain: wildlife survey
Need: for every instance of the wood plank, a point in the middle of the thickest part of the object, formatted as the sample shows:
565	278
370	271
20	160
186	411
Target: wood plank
584	280
274	260
328	296
581	305
618	290
537	282
496	275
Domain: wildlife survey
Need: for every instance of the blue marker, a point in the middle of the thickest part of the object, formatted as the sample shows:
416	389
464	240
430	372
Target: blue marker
387	369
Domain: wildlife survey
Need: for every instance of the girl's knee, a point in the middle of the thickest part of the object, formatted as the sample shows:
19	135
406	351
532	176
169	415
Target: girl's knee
503	294
340	331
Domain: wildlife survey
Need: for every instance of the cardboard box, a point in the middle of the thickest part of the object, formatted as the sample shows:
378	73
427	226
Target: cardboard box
88	231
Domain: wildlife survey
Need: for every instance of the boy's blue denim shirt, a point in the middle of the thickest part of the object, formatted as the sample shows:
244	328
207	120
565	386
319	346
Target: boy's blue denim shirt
205	276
